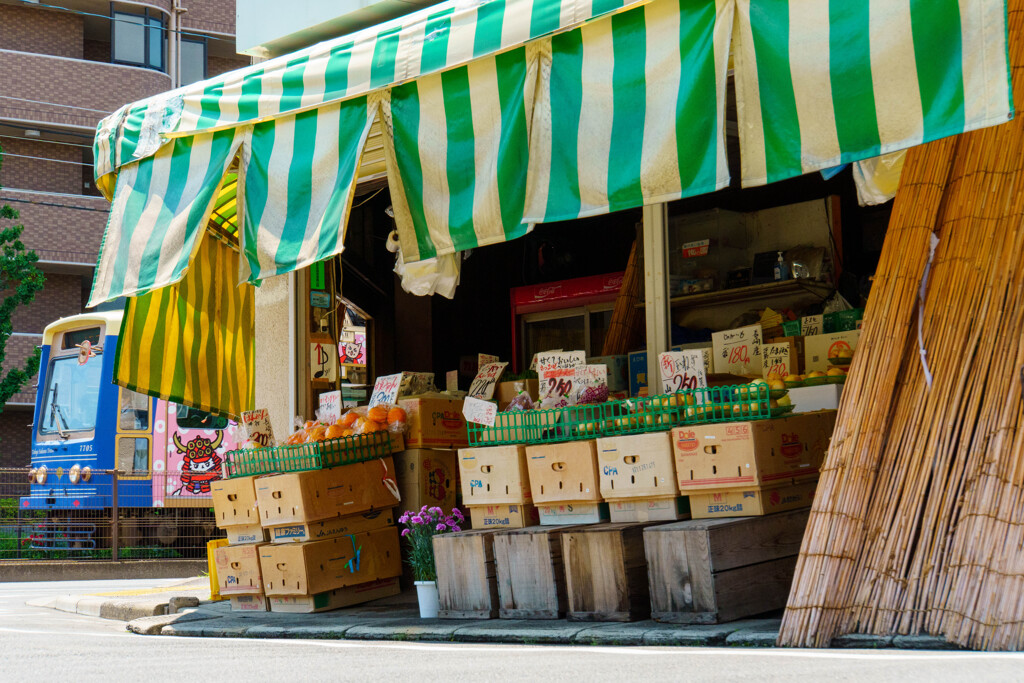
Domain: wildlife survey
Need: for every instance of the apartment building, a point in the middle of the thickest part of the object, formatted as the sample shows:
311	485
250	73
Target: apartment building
64	65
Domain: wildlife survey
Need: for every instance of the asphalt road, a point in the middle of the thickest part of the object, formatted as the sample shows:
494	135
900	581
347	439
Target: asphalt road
39	644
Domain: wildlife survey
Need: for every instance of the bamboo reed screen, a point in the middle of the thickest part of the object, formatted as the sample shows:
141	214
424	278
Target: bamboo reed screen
918	522
627	320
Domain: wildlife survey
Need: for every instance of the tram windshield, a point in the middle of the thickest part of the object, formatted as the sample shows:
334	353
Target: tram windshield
72	396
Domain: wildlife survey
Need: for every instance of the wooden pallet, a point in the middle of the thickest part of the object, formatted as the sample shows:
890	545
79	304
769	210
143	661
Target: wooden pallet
606	573
710	571
467	584
531	579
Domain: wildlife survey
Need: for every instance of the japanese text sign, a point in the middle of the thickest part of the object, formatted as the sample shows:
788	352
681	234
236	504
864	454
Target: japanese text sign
681	370
479	411
330	406
738	351
486	380
257	427
385	389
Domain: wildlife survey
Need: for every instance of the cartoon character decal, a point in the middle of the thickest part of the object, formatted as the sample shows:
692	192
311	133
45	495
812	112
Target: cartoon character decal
200	463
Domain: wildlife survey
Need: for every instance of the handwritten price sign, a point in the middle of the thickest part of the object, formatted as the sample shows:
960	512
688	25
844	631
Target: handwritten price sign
257	427
451	381
479	412
330	406
681	370
590	384
811	325
778	360
738	351
385	389
556	371
486	380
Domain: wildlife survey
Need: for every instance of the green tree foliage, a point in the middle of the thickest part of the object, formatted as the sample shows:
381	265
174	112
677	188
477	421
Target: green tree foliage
19	282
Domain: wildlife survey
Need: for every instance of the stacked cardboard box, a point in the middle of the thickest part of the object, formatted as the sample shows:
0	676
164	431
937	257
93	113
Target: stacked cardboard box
638	478
742	469
496	487
565	483
333	542
238	568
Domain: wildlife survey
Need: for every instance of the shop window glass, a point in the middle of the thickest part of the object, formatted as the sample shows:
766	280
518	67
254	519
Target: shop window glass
193	61
138	39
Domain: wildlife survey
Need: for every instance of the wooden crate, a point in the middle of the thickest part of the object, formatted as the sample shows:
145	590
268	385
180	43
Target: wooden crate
531	579
606	573
710	571
467	585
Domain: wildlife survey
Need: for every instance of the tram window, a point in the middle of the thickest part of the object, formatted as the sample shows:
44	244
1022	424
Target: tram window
73	338
193	418
72	395
133	413
133	454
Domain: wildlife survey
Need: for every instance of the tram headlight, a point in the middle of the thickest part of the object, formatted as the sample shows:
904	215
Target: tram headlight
74	474
86	474
32	475
41	475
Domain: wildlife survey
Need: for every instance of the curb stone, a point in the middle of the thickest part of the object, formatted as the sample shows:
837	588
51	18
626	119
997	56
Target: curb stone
153	626
630	633
923	642
701	635
526	631
756	633
860	641
400	629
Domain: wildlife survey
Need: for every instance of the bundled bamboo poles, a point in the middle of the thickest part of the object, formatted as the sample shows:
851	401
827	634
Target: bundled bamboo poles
917	522
627	319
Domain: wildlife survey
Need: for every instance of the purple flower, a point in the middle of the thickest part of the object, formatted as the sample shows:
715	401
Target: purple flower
417	520
441	527
455	527
457	514
423	509
436	511
405	532
404	519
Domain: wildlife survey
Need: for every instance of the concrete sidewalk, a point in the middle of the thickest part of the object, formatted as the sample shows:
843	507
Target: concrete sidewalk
185	610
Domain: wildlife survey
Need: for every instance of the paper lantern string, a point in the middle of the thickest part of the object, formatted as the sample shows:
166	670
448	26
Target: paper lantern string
353	564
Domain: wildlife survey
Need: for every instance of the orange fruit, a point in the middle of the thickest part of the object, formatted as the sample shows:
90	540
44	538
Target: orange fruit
309	424
296	438
396	414
334	432
318	433
378	414
347	432
348	419
372	426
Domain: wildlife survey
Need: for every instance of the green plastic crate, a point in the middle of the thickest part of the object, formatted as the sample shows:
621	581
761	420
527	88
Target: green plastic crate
511	427
841	321
791	328
307	456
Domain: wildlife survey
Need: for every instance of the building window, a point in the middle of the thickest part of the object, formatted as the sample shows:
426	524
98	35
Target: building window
193	61
138	39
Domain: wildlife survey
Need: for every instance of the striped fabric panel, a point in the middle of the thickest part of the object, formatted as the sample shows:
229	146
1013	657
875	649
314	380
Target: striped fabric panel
434	39
161	205
631	111
192	343
457	149
819	84
295	187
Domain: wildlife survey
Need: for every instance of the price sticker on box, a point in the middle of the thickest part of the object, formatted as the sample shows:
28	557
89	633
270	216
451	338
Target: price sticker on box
486	380
257	427
330	406
556	371
738	351
778	360
385	389
682	370
479	411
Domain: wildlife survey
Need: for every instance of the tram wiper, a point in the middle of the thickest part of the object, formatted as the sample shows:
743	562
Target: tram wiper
56	410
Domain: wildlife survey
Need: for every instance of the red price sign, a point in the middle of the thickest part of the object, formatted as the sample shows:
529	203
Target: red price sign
682	370
385	389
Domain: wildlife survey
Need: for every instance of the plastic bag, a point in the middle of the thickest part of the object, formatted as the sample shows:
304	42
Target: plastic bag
439	275
877	178
522	400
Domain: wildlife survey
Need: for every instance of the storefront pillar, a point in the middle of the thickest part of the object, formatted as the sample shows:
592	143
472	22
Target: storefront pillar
656	299
277	358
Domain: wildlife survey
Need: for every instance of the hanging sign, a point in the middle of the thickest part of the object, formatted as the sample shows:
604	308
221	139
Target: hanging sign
590	384
779	360
257	427
738	351
317	276
556	371
811	325
479	411
451	381
323	361
330	406
486	380
385	389
318	299
682	370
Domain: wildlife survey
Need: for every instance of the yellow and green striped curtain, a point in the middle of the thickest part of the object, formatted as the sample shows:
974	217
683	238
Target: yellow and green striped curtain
192	342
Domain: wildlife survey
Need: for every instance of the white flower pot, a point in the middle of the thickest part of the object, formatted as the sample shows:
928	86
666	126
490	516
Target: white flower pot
426	592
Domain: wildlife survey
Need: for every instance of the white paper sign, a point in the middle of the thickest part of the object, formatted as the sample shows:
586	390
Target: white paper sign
486	380
330	406
681	370
778	359
555	373
385	389
590	384
811	324
483	359
451	381
738	351
323	360
257	427
479	412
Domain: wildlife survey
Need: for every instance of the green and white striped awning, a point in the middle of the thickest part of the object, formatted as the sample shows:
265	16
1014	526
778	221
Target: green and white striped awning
501	114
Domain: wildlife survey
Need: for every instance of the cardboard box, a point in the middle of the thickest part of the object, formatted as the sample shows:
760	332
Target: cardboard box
250	603
298	497
426	477
503	516
811	399
238	569
321	566
618	370
636	466
242	535
335	599
744	455
494	475
234	502
435	421
752	502
818	348
331	528
564	472
649	510
507	391
573	513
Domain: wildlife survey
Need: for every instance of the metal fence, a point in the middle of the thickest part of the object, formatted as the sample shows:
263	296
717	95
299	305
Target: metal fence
113	516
